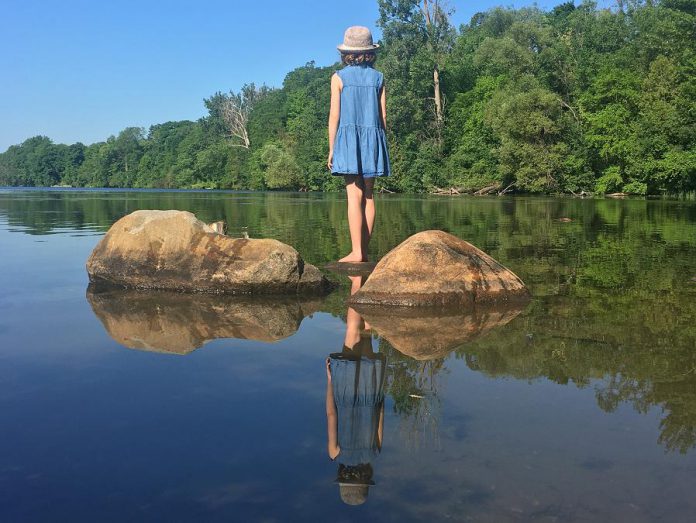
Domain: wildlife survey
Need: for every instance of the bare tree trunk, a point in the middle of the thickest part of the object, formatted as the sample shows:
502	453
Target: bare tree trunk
438	97
436	72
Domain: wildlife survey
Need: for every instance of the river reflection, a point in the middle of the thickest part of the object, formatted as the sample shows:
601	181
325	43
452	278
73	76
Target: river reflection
430	334
179	323
581	407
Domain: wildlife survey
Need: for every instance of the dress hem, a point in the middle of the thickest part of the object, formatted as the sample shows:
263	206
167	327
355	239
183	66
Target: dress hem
364	175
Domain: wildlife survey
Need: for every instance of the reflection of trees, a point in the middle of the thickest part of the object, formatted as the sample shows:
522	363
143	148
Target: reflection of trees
413	386
677	397
629	348
613	307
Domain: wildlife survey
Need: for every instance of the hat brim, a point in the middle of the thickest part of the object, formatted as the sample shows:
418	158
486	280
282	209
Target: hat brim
348	49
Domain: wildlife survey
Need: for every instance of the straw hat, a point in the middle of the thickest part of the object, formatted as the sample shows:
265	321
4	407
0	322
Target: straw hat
357	39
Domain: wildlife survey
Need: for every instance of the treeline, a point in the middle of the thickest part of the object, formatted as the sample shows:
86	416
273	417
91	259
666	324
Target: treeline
568	100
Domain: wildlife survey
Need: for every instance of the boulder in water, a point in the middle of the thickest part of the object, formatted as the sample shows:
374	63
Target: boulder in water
434	268
173	250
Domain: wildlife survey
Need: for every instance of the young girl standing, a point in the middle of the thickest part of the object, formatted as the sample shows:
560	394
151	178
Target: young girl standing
357	140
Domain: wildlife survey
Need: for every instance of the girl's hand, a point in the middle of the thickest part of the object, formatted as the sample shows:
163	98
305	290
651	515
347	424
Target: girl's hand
328	368
329	161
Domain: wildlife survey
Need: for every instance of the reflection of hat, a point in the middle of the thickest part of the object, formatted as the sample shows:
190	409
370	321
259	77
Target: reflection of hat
354	483
357	39
353	494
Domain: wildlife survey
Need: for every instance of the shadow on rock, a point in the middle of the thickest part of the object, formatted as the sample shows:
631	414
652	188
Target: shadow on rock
176	323
425	334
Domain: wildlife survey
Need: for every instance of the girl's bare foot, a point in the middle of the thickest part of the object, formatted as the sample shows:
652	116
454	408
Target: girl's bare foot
353	258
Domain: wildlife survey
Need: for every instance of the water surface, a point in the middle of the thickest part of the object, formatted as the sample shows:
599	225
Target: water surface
580	407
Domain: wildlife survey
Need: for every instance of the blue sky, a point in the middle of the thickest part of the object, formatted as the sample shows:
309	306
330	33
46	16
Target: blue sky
79	70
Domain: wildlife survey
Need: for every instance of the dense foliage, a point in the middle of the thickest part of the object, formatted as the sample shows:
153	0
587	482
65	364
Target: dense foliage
568	100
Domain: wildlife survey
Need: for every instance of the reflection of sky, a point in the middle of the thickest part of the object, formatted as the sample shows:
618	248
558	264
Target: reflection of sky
237	429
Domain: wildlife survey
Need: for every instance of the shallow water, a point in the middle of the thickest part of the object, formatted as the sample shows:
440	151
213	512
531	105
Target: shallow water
580	407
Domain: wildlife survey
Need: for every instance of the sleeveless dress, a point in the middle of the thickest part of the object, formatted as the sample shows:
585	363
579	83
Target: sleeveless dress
360	146
358	391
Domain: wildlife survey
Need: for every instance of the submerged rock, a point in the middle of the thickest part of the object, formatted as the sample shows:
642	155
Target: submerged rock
425	334
177	323
175	251
434	268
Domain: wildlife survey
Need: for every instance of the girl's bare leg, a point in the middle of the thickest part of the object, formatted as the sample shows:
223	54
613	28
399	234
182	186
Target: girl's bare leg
368	208
354	191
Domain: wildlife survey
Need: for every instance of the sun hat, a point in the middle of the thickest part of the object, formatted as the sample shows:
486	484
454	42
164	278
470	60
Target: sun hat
357	39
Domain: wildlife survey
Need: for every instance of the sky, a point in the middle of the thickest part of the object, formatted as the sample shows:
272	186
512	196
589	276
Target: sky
82	70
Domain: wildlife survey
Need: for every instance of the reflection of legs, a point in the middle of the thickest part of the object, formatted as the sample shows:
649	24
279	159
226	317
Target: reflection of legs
353	321
356	217
368	209
355	283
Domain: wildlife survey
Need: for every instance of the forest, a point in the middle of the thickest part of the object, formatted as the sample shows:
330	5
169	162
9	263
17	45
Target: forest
573	100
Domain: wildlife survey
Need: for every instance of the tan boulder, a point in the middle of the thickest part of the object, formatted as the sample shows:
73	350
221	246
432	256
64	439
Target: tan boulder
173	250
178	323
425	334
434	268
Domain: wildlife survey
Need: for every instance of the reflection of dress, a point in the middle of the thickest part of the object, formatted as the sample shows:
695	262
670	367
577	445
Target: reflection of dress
358	383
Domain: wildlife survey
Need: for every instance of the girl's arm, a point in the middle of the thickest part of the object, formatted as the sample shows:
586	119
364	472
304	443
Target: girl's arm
383	106
380	426
334	114
331	416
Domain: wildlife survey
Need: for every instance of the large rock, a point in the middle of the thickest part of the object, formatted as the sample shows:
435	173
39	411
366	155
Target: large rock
173	250
178	323
434	268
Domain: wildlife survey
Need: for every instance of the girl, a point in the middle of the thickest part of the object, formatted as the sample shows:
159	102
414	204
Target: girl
357	140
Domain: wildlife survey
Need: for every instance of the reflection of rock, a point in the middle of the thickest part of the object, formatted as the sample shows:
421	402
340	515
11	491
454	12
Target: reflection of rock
425	334
174	250
436	268
178	323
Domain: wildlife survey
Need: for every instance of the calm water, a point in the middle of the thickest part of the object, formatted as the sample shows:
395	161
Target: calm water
580	407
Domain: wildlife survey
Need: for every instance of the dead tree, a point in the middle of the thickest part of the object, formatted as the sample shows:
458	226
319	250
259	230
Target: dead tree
433	47
235	115
233	110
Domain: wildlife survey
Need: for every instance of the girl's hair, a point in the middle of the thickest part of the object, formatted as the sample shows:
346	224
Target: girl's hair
354	473
367	58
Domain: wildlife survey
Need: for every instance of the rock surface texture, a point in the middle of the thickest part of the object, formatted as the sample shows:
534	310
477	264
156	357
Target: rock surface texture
174	250
434	268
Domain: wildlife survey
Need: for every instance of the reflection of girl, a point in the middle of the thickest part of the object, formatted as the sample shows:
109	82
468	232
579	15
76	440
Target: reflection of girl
355	410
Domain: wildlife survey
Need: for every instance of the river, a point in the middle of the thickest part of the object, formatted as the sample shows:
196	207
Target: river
581	406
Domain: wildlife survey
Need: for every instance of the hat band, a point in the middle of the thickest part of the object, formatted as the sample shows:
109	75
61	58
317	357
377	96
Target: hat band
368	47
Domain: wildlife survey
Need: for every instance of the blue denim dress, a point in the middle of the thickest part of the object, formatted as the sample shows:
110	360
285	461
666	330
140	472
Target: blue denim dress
360	146
358	391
